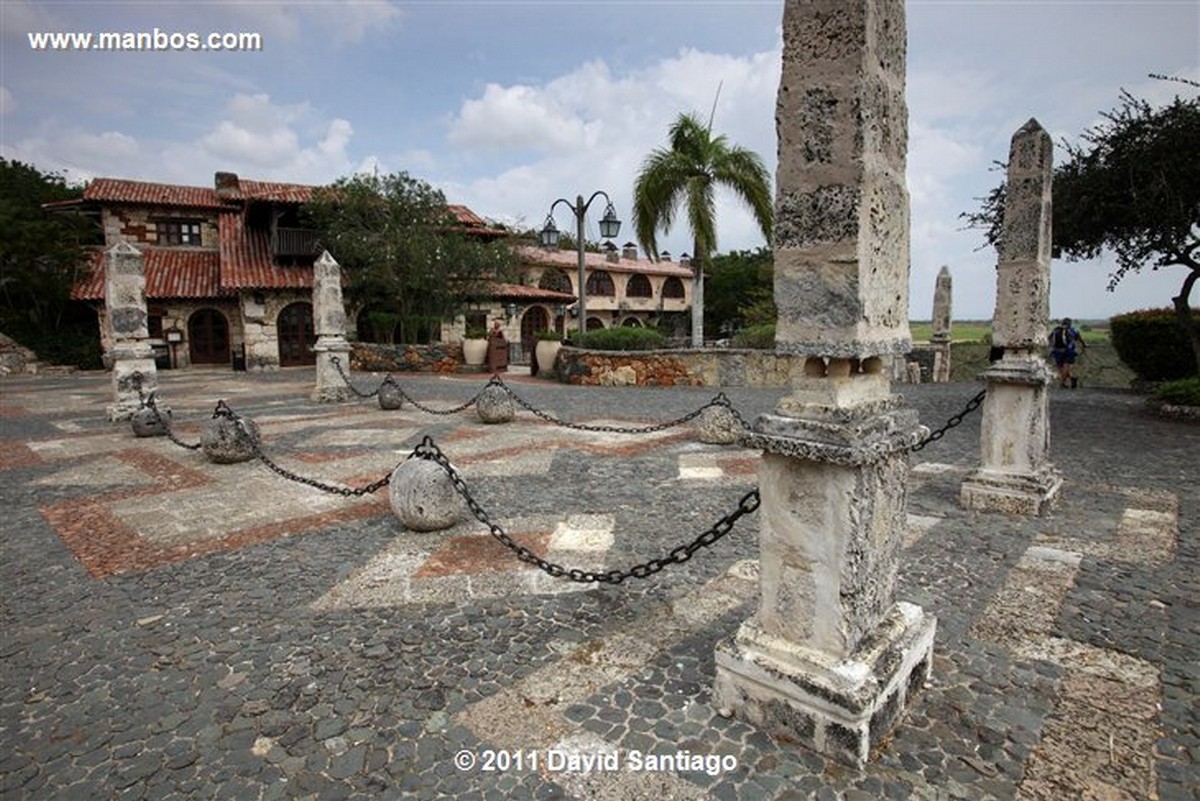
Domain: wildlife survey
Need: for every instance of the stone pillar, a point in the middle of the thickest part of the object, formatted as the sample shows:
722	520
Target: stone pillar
1015	474
125	306
941	326
830	659
329	322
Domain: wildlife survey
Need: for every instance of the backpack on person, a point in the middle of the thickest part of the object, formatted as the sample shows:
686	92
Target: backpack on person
1062	337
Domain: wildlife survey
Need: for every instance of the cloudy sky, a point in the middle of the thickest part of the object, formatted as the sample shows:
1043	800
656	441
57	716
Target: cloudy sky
507	106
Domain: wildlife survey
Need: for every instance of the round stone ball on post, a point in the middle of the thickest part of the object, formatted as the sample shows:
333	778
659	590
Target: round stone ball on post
150	421
494	405
390	397
227	439
423	496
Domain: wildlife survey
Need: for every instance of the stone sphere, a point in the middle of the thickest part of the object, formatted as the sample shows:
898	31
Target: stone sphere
147	423
389	396
423	496
224	442
717	425
494	405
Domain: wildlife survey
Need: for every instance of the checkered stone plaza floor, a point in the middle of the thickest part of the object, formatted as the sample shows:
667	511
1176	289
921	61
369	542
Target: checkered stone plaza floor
176	629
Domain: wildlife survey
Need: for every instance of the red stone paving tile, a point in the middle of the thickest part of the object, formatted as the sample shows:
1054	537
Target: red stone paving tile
744	466
106	546
13	411
14	455
472	555
313	457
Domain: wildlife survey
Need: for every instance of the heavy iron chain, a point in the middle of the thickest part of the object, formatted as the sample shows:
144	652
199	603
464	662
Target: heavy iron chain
148	401
429	450
337	364
719	401
953	422
256	448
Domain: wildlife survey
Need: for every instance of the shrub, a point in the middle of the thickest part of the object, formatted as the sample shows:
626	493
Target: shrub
757	337
1183	392
624	338
1151	344
474	332
549	335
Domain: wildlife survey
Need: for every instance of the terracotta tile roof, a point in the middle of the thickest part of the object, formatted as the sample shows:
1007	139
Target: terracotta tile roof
275	192
569	259
119	190
531	293
170	273
246	261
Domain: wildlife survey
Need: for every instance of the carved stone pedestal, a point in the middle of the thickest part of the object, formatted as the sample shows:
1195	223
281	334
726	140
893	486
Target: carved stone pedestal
830	659
840	707
1015	475
331	386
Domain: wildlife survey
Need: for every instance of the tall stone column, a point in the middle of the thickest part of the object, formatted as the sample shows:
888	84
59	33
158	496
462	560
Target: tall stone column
1015	474
830	659
125	307
941	326
329	322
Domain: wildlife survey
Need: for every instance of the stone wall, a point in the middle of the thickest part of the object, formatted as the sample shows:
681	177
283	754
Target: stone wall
377	358
1099	366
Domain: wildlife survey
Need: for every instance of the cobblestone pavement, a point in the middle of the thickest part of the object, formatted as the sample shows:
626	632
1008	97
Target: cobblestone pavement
175	629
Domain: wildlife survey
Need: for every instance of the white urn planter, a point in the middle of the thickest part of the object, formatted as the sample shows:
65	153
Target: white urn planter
546	352
474	351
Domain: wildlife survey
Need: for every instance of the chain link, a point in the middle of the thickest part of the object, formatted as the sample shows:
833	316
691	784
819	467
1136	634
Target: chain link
719	401
429	450
953	422
337	365
148	401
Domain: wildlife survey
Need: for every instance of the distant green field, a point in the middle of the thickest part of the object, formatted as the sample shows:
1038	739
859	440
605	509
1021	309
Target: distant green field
978	330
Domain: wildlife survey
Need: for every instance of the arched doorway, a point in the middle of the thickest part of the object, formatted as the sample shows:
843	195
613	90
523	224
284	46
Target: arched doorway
533	320
296	335
208	337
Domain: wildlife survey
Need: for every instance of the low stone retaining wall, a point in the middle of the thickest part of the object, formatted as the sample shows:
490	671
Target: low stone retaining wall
440	358
719	367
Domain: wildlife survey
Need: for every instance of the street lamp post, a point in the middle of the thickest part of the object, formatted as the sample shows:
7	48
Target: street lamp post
609	228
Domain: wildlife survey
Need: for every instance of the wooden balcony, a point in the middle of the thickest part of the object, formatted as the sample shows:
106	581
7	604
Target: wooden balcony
293	242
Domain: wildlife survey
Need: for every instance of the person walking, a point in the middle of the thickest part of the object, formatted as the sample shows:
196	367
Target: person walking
1065	346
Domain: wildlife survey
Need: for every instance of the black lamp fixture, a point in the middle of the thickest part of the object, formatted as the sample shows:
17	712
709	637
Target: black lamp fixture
610	226
510	310
549	234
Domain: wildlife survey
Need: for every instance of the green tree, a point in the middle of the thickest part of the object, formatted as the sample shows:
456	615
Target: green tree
403	250
1132	187
41	256
686	174
740	291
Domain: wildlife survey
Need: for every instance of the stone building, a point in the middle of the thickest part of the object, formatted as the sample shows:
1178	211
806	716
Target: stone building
229	274
229	269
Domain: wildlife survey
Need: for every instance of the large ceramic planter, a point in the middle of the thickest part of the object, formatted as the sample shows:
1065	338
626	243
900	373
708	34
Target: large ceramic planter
474	351
546	352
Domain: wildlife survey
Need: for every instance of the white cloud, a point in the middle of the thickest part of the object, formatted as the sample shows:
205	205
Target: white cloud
589	130
340	23
7	103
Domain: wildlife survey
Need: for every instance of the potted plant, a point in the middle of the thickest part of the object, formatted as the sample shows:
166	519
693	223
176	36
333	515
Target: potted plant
549	343
474	345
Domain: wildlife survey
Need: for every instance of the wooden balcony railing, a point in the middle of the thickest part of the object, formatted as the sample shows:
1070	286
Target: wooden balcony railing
294	242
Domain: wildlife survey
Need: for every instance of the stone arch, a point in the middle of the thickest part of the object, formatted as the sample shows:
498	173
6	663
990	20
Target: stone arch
208	337
556	280
673	288
638	287
296	335
600	285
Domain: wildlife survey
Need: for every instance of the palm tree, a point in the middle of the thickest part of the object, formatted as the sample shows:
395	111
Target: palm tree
687	173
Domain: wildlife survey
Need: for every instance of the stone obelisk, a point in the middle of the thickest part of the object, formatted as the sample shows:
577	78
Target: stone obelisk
329	320
125	310
830	658
1015	474
940	338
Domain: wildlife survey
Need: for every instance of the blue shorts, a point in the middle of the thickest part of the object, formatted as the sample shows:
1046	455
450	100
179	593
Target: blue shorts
1063	356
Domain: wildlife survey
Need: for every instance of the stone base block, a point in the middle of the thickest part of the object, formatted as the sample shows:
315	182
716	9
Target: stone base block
838	707
133	369
1029	494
